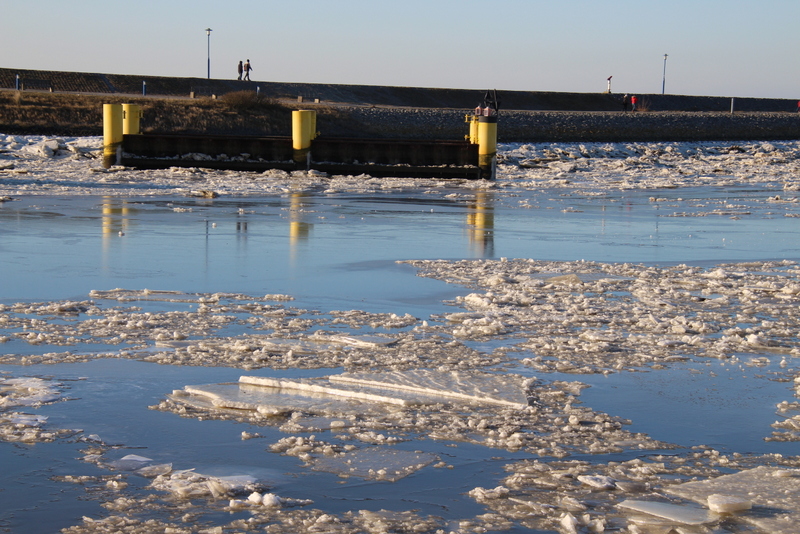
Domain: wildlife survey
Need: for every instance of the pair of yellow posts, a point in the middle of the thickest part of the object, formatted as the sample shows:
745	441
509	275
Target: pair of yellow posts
118	120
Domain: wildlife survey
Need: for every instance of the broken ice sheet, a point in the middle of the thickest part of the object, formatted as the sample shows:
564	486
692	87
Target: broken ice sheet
466	406
374	463
189	484
680	514
772	491
328	395
269	401
28	391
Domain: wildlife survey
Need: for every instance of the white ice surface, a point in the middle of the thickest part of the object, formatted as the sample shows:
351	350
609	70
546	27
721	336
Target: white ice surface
374	463
681	514
773	492
39	165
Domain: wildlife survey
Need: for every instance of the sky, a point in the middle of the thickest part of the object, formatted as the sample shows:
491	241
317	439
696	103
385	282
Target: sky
729	48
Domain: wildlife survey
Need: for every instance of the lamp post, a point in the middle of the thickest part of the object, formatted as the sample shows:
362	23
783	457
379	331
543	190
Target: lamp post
208	40
664	76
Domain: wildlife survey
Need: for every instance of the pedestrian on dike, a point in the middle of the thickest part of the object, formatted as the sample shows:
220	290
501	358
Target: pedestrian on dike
633	102
247	69
798	106
625	100
240	68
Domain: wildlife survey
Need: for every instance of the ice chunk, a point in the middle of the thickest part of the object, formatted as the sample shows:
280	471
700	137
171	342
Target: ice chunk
190	484
27	391
466	387
131	462
680	514
374	463
775	506
310	387
728	503
598	481
366	341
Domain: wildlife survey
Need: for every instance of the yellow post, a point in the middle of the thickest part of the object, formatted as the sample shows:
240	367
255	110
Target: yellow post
473	130
303	121
131	116
112	133
487	145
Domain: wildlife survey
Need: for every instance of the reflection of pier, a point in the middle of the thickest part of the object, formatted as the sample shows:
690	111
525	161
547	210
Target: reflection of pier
480	219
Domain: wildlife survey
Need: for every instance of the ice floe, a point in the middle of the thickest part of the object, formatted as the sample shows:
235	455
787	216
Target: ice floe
28	393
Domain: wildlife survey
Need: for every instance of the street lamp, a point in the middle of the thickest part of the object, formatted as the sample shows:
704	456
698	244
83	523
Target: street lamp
664	77
208	39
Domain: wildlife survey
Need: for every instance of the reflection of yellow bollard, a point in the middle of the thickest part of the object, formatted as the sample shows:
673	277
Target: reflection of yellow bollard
303	122
487	145
112	133
131	115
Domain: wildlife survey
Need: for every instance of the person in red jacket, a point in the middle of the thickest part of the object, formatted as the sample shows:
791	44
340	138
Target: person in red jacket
633	102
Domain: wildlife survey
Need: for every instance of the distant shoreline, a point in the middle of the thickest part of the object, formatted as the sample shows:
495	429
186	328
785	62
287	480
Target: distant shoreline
385	112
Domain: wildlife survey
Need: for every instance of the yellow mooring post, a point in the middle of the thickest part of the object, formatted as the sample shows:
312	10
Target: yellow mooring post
303	122
487	145
112	133
131	116
473	128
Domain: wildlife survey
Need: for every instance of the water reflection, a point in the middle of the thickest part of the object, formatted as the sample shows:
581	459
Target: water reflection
299	227
480	220
115	215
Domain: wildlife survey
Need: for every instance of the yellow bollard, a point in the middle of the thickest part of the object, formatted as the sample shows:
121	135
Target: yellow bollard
131	116
487	145
473	130
303	124
112	133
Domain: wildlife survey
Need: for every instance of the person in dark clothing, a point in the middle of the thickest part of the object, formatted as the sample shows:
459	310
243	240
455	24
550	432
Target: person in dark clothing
240	68
625	102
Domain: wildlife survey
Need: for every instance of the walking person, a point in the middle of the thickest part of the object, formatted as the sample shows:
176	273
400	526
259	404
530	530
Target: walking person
633	103
625	100
247	69
240	68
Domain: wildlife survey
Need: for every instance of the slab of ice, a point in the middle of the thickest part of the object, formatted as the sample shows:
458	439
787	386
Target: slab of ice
317	388
131	462
27	391
264	400
190	484
673	512
772	491
374	463
408	388
454	385
728	503
365	341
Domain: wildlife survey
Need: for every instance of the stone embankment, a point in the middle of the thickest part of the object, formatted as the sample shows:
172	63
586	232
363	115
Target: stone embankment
418	113
544	126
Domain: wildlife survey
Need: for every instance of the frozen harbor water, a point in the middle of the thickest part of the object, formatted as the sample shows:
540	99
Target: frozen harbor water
602	324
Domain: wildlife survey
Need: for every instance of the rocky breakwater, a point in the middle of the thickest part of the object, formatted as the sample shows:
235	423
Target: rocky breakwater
551	126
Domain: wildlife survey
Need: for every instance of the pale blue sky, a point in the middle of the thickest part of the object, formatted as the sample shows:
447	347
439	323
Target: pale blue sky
715	47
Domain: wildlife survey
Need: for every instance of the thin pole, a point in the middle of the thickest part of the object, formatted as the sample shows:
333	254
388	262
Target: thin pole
208	35
664	77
